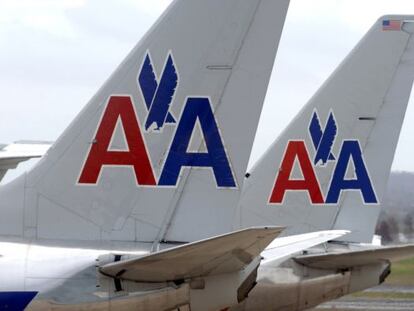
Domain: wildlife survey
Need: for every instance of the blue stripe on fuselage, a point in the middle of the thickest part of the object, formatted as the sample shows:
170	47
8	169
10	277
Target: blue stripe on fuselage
15	301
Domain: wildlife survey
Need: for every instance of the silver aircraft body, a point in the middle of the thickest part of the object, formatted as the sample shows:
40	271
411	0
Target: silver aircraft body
143	203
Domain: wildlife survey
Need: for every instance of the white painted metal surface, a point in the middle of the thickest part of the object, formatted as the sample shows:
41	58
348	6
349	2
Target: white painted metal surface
57	231
368	96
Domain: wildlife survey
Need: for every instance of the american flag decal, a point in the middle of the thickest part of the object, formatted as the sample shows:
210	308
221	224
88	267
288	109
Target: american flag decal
391	25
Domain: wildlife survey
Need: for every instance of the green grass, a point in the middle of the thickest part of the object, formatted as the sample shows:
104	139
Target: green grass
402	273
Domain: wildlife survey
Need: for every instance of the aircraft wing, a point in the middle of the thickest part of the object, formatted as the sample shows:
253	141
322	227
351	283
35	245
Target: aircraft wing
285	246
345	260
222	254
11	155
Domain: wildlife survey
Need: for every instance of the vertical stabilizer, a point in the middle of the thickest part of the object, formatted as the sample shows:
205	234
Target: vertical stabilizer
329	168
162	147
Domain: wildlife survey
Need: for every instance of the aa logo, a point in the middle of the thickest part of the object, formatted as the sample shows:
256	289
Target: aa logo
323	140
158	92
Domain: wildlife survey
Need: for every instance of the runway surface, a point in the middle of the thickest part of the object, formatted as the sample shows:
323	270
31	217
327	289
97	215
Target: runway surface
350	303
368	304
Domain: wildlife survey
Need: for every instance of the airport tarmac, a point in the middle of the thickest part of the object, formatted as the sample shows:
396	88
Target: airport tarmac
348	304
374	301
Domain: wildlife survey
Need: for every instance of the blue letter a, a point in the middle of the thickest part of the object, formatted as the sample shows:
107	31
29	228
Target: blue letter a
362	182
215	157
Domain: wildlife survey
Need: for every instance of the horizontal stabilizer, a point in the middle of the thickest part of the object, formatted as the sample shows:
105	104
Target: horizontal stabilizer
357	258
286	246
11	155
222	254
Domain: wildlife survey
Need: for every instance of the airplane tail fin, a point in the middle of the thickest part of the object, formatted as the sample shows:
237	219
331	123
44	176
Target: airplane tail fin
165	142
329	168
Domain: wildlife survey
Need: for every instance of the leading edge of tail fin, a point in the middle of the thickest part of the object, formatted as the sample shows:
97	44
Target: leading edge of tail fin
329	168
163	146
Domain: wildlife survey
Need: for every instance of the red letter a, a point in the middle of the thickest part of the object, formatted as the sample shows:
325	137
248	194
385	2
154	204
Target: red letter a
136	155
296	150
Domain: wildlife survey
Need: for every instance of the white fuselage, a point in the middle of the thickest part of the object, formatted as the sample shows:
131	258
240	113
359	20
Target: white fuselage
59	271
64	276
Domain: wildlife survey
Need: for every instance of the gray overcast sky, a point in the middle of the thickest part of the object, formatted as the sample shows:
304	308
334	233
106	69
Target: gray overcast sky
55	54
